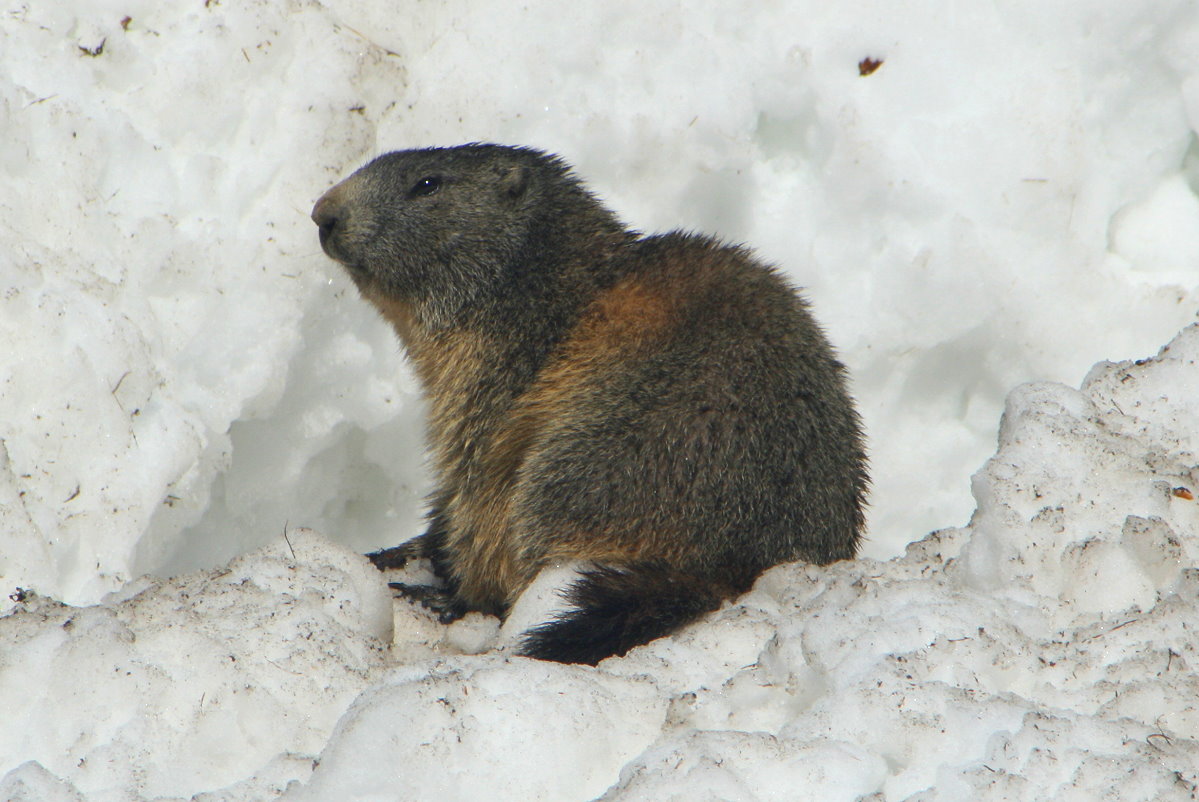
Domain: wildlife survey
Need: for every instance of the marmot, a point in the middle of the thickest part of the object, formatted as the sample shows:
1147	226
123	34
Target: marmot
662	408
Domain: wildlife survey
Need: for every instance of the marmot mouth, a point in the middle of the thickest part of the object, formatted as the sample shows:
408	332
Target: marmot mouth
325	229
356	270
332	246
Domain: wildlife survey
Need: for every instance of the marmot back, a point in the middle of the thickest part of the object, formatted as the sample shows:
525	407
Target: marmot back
664	407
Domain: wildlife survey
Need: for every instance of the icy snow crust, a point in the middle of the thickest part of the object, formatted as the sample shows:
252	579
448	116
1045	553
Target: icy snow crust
187	380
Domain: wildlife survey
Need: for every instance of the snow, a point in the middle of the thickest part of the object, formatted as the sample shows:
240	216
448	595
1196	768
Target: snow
190	388
213	675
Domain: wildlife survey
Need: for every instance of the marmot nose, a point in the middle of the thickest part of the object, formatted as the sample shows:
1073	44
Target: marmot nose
328	214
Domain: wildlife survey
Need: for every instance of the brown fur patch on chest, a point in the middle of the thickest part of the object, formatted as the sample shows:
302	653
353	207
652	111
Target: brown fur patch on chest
397	313
450	365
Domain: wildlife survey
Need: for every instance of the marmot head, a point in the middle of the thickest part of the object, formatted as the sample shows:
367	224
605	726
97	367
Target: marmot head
439	228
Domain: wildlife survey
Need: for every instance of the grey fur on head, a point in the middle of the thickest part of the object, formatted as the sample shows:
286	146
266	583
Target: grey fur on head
441	227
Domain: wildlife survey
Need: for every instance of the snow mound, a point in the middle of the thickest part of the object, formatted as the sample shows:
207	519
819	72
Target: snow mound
488	728
174	687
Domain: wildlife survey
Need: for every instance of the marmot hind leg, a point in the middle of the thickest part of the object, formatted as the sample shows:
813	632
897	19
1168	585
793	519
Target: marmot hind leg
619	607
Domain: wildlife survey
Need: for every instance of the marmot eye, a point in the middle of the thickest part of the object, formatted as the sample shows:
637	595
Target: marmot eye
426	186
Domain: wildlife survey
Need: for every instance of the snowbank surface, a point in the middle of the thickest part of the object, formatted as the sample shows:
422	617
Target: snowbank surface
187	380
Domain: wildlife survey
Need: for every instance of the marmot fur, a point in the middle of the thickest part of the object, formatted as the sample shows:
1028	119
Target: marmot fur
662	408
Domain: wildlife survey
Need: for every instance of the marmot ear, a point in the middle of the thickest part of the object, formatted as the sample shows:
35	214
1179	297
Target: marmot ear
515	181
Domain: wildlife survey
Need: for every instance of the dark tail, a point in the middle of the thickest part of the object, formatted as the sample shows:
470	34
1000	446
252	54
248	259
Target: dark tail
618	608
